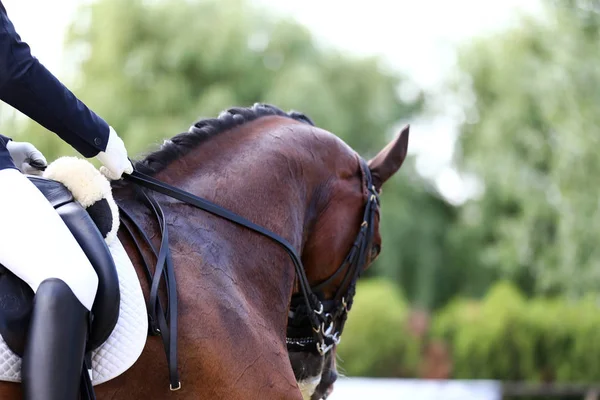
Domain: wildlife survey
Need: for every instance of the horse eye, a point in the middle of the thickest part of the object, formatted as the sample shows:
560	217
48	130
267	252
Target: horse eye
375	249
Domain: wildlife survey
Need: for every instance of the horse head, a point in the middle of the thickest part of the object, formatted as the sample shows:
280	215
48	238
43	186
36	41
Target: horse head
340	243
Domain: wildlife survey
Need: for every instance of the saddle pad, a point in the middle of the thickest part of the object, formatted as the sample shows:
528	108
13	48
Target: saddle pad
126	342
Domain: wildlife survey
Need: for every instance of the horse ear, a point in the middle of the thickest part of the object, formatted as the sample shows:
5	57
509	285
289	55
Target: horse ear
390	159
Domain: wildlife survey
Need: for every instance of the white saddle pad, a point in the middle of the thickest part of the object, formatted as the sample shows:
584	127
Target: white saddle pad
125	344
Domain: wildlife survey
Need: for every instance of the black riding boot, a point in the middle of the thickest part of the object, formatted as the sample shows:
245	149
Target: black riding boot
53	358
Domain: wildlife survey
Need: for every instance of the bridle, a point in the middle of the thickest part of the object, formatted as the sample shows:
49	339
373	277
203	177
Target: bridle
324	319
331	314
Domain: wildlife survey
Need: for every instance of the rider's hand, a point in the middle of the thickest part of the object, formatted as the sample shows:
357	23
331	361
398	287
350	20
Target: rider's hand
114	158
26	157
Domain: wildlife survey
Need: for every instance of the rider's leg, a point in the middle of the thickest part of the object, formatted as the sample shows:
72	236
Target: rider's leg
37	246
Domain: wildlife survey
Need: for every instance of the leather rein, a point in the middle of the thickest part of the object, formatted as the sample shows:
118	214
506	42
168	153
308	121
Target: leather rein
306	309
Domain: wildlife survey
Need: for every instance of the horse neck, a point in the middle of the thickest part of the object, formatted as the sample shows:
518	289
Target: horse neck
244	172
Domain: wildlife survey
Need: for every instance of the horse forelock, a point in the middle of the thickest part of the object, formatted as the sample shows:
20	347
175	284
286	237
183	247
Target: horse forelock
204	129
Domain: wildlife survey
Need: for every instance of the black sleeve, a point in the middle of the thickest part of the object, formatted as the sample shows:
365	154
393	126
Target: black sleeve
29	87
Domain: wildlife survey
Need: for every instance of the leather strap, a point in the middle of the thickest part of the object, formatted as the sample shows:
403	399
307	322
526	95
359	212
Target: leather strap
86	388
157	318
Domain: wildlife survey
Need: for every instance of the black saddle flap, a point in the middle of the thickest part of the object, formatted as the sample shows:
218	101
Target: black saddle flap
16	299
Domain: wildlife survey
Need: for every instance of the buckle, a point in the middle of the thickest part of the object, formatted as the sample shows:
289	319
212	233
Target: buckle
322	349
330	328
173	389
345	304
336	338
320	311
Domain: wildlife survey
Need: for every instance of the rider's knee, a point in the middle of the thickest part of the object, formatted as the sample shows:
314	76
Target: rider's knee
83	283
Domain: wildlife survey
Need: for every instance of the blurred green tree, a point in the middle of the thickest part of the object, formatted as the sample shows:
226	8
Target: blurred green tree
424	250
153	68
531	135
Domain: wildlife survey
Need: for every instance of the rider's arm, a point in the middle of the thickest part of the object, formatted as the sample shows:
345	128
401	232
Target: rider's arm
30	88
5	159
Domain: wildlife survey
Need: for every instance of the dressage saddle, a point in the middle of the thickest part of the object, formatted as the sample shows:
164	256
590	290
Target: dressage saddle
89	227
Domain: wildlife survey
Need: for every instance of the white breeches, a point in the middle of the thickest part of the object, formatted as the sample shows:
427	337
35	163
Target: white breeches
35	244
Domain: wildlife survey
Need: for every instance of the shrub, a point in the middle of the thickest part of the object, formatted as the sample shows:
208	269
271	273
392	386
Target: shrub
375	341
506	337
503	337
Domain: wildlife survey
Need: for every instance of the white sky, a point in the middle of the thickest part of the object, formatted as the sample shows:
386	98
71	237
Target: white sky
414	36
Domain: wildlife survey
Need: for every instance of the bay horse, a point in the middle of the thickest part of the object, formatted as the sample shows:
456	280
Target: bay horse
242	330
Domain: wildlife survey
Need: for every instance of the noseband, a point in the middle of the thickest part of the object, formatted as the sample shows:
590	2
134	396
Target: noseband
323	318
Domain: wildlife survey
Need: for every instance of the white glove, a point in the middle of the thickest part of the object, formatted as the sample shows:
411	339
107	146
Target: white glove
26	157
114	158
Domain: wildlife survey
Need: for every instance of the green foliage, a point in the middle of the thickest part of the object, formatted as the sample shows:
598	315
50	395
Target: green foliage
422	251
375	340
531	136
506	337
151	69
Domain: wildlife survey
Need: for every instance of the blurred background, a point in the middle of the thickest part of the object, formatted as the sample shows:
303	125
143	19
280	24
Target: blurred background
490	271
